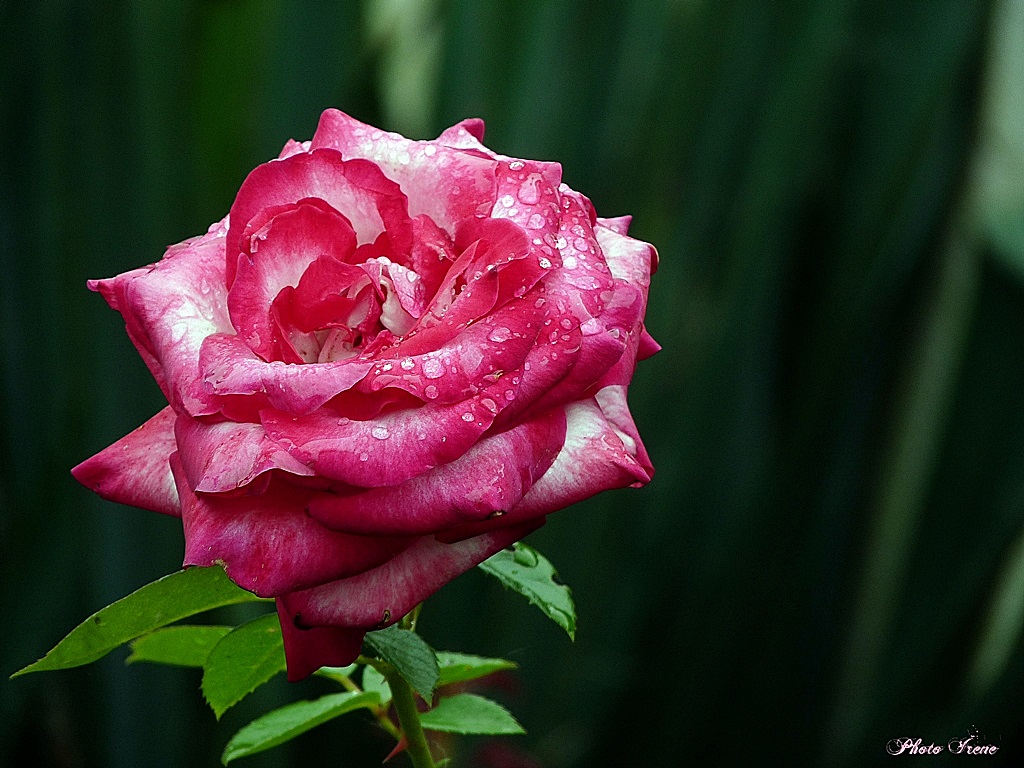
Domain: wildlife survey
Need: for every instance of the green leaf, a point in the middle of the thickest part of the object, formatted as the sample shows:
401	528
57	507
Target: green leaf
528	572
374	682
186	645
460	667
243	660
408	653
470	714
155	605
289	721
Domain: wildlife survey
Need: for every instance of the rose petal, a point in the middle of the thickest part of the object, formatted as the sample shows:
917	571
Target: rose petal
135	470
384	595
448	185
618	224
388	450
631	260
229	367
222	456
280	254
371	202
612	401
171	308
597	456
267	543
308	649
648	346
490	477
447	370
466	134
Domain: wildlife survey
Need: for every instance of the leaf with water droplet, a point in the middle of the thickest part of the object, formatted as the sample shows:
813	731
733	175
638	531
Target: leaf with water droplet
528	572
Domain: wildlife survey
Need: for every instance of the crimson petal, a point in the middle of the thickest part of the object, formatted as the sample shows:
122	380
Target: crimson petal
267	543
135	470
491	477
384	595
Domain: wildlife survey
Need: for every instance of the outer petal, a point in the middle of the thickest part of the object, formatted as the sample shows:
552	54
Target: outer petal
171	308
267	543
597	456
221	456
308	649
135	469
612	400
491	477
631	260
384	595
449	185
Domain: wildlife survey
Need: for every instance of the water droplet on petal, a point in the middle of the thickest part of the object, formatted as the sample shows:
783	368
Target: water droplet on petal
408	364
433	368
364	456
467	416
381	433
536	221
515	165
544	263
430	391
529	190
508	201
429	150
500	334
560	242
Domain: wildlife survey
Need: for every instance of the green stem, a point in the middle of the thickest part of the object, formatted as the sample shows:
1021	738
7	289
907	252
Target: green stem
409	717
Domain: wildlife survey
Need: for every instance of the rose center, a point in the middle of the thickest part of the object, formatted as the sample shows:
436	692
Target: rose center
339	309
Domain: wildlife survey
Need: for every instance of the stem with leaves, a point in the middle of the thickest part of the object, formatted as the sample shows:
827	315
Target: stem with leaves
409	718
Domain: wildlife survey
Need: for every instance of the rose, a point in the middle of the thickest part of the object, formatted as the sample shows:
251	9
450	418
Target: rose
391	360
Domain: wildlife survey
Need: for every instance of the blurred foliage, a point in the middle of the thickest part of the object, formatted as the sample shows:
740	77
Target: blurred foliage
832	552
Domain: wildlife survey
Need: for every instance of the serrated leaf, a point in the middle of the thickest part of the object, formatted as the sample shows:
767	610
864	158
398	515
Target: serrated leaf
460	667
155	605
374	682
187	645
470	714
528	572
243	660
286	723
408	653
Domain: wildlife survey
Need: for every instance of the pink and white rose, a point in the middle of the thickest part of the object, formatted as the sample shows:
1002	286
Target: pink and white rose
391	360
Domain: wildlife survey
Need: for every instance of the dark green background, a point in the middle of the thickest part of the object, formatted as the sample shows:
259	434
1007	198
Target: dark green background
831	554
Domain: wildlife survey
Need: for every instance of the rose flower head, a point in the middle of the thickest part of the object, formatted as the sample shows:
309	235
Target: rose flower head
391	360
